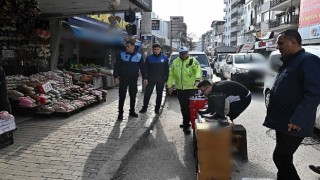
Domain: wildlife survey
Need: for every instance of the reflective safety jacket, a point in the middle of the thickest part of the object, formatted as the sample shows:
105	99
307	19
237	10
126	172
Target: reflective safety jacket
184	73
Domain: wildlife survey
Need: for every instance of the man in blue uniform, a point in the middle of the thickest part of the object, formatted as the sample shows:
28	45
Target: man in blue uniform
158	69
294	98
126	73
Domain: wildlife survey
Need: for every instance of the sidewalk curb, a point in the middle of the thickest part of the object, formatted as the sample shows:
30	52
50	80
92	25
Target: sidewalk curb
110	169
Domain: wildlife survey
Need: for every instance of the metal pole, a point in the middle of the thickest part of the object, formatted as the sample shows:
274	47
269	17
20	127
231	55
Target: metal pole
170	37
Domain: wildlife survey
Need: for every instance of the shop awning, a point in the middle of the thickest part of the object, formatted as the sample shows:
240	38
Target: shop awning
96	36
247	47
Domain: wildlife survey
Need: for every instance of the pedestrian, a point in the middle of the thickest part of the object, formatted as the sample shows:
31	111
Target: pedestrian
4	101
126	73
315	169
237	97
185	72
294	98
158	68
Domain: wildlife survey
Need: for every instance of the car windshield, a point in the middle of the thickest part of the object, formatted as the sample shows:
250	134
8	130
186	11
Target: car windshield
173	57
248	58
221	57
202	59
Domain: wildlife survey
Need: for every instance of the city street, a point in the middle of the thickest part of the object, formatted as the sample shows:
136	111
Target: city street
168	154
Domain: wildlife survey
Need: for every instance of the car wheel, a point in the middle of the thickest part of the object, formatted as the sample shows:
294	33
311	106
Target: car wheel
267	97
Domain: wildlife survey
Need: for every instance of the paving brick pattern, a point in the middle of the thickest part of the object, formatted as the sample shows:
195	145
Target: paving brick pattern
87	145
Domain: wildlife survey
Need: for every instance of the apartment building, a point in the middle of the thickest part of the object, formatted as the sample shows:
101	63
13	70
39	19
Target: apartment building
217	29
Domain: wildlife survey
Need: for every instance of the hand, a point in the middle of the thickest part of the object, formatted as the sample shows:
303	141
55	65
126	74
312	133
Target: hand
145	82
293	127
116	81
170	91
5	115
196	83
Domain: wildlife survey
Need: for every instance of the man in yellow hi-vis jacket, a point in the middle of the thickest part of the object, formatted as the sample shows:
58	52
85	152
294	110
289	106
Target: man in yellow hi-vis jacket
185	72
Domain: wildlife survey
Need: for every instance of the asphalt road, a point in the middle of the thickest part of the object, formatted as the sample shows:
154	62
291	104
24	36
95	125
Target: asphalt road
168	154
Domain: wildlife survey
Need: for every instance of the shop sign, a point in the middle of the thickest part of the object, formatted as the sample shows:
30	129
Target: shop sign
310	32
146	5
155	24
309	13
246	47
8	53
46	87
260	45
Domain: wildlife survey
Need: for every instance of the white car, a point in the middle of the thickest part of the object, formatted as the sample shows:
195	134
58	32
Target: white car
219	62
274	63
202	59
245	68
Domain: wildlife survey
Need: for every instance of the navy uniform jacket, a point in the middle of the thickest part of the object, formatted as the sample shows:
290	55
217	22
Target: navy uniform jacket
127	66
295	95
157	67
4	102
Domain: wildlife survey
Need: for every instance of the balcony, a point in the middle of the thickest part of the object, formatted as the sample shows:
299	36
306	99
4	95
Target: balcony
234	20
280	25
240	10
281	5
234	10
234	29
232	39
234	2
258	25
225	9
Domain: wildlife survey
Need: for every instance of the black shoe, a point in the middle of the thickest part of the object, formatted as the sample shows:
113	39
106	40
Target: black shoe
133	114
315	169
143	110
120	117
157	111
181	126
186	131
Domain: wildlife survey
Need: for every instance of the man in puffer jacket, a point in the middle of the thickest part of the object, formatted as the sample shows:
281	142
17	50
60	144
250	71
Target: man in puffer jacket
186	72
158	69
126	73
294	99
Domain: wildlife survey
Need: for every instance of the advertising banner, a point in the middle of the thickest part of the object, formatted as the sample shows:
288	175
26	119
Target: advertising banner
309	13
310	32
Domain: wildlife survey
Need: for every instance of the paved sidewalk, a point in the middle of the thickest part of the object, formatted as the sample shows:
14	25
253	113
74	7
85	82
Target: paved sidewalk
89	145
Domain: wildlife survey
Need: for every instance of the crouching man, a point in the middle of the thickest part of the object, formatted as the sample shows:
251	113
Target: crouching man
225	98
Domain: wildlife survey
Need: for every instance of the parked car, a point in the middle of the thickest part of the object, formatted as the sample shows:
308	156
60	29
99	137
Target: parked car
245	68
273	65
219	62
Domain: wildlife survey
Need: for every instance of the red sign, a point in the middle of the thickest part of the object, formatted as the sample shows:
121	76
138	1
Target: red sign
309	13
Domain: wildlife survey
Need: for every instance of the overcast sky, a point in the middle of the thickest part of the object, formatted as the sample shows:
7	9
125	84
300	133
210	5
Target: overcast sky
198	14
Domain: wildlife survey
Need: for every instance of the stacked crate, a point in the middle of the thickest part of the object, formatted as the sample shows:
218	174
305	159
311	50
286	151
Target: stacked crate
214	151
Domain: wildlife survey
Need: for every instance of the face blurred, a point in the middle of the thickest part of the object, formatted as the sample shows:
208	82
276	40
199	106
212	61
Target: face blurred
184	55
156	50
285	45
205	90
129	48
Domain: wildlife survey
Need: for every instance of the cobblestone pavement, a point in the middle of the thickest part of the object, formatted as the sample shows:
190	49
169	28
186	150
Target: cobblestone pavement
87	145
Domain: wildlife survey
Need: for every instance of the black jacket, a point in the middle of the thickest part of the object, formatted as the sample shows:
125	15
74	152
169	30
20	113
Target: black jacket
230	88
157	67
295	95
4	102
127	66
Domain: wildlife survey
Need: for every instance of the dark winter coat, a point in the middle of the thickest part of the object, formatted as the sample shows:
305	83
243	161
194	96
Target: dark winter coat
295	95
157	67
127	66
